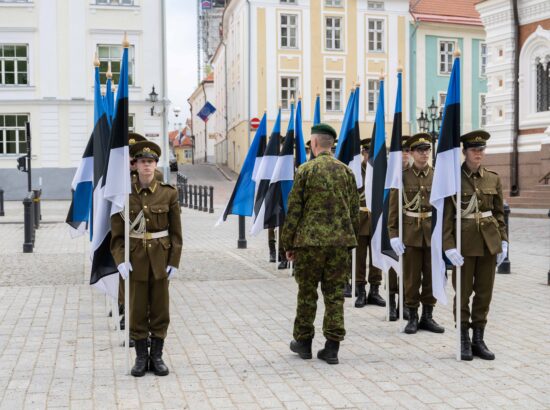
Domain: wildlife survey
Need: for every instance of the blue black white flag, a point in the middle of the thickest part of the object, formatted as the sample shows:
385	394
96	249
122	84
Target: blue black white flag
447	178
300	145
317	113
348	149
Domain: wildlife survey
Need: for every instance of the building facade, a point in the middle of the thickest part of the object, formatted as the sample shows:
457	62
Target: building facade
519	148
204	133
276	50
47	78
209	32
438	28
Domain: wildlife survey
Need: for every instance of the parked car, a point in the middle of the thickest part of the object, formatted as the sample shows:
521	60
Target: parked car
173	162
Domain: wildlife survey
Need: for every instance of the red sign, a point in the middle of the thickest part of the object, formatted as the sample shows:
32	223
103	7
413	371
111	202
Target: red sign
254	123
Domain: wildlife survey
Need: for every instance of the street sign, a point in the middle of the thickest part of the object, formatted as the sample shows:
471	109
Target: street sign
254	123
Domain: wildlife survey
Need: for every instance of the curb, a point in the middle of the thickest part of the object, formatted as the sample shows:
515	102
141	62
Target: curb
223	173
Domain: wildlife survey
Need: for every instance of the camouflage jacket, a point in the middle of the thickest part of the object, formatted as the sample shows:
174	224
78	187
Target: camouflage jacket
323	206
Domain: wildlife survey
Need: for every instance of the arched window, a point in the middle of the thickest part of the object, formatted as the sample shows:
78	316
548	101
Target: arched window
543	84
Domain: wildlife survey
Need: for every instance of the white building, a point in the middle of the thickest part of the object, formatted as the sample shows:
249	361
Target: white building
47	49
519	148
204	133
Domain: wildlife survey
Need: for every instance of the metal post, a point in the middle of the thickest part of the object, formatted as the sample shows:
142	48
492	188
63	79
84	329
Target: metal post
36	207
195	195
548	269
205	205
190	196
29	174
2	202
211	210
29	224
505	265
241	243
200	197
184	188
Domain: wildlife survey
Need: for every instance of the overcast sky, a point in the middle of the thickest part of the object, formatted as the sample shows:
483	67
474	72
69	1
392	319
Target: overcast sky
181	34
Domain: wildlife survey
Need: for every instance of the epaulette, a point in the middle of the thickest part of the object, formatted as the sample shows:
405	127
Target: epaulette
168	185
489	170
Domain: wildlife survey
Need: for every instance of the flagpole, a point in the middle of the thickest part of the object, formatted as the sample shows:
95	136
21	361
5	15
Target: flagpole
402	273
127	285
353	272
458	303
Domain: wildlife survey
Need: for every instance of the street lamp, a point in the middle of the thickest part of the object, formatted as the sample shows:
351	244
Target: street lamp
153	97
430	122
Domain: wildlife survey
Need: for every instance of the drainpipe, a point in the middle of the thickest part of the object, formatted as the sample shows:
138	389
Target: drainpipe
205	126
165	101
249	68
514	166
226	86
192	133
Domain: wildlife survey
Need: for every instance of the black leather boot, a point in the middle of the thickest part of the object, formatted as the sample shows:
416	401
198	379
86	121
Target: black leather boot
122	323
302	347
374	297
412	324
405	313
427	322
142	358
272	252
330	353
156	364
479	348
347	290
393	309
465	344
361	300
284	263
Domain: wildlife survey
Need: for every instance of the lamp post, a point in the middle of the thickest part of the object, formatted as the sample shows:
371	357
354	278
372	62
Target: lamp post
153	97
430	122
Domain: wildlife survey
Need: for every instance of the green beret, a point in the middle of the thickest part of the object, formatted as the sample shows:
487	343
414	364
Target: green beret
324	129
145	149
134	137
420	140
477	138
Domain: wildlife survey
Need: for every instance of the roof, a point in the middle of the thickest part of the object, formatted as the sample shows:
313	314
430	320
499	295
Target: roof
186	141
446	11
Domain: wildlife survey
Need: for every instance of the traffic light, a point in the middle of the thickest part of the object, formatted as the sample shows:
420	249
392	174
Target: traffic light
22	163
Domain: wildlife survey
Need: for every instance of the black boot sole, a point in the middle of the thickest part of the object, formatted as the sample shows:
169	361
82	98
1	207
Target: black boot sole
376	303
302	355
360	304
329	360
477	353
466	358
423	326
157	373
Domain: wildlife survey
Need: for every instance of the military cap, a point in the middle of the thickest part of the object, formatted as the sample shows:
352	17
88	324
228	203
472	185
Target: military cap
420	140
134	137
145	149
404	139
477	138
365	143
324	129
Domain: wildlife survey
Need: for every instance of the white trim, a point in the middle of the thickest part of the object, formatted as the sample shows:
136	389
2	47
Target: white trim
298	15
481	74
334	59
438	59
342	80
289	57
343	37
384	39
480	110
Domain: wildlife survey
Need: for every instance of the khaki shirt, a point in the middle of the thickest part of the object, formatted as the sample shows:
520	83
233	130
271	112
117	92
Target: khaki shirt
161	211
416	231
364	214
476	234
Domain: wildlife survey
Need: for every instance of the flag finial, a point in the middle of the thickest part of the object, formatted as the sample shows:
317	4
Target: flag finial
96	60
456	53
357	84
125	42
382	75
109	72
292	99
399	68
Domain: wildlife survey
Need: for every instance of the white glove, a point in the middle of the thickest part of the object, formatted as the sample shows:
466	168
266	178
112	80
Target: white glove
502	255
397	246
124	270
171	271
455	257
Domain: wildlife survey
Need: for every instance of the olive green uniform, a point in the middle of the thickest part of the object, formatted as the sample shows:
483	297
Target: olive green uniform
417	225
149	300
483	230
321	227
363	242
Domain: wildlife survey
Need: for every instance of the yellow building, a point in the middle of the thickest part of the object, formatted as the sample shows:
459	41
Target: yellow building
273	50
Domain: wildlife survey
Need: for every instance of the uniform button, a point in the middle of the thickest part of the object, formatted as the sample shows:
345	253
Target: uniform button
422	197
147	219
144	206
149	245
145	193
422	187
477	189
482	223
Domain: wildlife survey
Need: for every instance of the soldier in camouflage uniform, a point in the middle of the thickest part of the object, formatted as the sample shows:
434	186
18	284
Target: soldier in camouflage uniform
321	227
484	242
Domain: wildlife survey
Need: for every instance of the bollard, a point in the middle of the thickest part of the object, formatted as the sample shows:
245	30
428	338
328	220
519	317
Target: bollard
211	210
184	191
190	196
36	207
2	202
241	243
200	197
205	203
505	265
29	224
196	206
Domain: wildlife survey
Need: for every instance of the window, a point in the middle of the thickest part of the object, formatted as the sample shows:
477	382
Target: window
131	127
115	2
113	53
289	29
543	85
373	87
442	97
288	1
333	33
376	35
482	59
333	94
12	133
482	111
333	3
14	62
446	49
375	5
289	89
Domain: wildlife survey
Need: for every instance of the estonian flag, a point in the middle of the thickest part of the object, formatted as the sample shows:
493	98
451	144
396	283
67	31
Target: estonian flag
447	178
300	145
317	113
242	198
111	180
349	142
262	175
377	196
109	98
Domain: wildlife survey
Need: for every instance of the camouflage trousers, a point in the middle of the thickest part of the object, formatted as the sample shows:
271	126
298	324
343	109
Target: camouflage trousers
328	265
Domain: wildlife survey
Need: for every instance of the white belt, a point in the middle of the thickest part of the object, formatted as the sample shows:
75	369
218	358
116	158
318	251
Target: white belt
149	235
421	215
364	209
478	215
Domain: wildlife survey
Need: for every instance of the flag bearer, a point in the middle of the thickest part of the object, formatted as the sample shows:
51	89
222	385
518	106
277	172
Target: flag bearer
363	245
417	226
321	227
155	250
484	243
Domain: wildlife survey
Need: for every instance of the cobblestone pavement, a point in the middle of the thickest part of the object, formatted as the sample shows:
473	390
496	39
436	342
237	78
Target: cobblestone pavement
231	322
